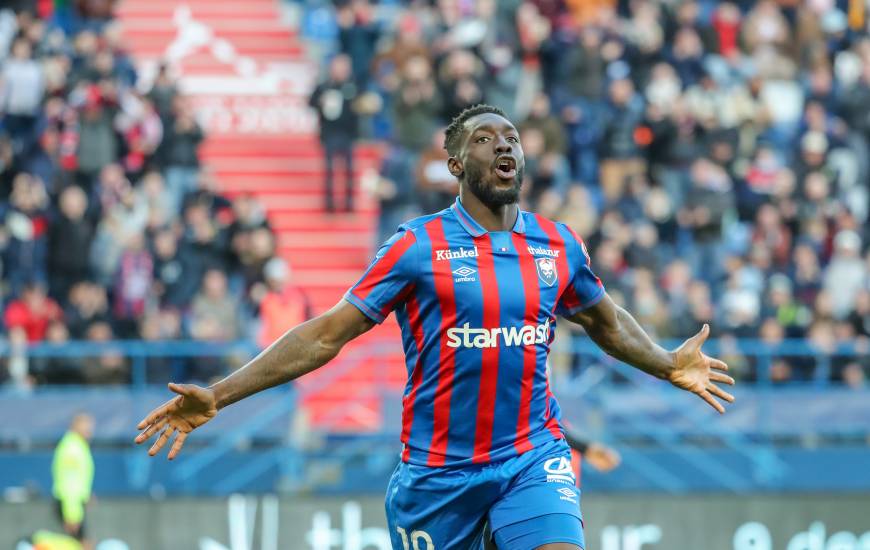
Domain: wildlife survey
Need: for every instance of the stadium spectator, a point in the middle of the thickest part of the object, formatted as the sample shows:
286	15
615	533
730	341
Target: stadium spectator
436	187
56	370
69	242
417	104
26	226
282	304
358	34
214	312
334	101
176	275
87	304
110	365
394	190
180	151
32	313
132	288
21	94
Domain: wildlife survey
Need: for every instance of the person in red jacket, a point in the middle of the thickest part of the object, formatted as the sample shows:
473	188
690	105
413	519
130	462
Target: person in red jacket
32	312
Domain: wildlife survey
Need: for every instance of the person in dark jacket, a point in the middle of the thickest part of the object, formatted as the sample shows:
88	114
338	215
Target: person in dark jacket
334	102
69	243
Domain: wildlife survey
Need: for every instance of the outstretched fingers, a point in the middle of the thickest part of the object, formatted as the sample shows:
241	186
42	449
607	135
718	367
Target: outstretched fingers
161	441
720	393
152	429
177	444
157	413
719	377
706	396
717	364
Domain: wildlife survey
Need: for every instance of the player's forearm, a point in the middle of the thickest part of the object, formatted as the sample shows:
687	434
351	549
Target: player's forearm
624	339
299	351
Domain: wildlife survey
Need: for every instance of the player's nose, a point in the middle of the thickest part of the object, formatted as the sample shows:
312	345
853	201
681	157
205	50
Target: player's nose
502	146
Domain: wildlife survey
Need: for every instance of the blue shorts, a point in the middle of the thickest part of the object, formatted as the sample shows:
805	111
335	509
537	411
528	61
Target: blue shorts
528	500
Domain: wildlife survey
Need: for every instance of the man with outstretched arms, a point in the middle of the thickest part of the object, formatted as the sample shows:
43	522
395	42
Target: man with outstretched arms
476	289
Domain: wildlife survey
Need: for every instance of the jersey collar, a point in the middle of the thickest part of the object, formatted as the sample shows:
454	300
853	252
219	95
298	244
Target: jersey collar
475	229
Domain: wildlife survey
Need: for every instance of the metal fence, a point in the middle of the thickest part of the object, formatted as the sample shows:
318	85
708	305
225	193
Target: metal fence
809	435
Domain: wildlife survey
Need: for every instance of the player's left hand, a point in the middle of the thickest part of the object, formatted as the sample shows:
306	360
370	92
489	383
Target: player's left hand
695	372
601	457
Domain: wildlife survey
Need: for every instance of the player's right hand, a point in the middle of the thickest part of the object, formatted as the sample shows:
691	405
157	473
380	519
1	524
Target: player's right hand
190	409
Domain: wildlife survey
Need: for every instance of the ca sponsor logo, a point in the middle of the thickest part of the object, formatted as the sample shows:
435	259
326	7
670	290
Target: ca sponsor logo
456	253
467	337
464	274
559	470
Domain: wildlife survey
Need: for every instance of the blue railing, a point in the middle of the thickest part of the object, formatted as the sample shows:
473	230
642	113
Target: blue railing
670	440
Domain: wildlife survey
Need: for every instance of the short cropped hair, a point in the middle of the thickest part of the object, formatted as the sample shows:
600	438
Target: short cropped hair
457	125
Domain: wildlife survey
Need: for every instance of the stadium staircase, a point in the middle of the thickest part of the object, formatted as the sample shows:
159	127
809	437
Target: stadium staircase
247	73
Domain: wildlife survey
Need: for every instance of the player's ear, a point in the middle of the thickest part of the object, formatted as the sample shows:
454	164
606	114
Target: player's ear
455	167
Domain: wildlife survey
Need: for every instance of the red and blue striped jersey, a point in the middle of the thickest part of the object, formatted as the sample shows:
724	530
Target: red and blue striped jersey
478	313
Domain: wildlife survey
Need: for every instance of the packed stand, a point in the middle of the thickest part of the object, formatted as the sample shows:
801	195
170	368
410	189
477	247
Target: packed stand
109	227
712	154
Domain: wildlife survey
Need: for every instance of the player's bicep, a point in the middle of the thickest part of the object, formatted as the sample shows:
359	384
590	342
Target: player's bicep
603	316
344	322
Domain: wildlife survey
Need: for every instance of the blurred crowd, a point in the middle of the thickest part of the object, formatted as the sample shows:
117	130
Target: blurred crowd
712	154
109	227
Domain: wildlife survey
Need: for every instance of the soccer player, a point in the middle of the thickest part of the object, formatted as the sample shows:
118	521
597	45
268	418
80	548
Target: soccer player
476	289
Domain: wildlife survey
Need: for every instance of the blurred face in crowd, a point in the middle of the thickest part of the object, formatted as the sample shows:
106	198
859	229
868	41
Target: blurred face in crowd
57	333
621	91
214	284
21	50
165	244
540	106
490	160
340	68
73	203
34	296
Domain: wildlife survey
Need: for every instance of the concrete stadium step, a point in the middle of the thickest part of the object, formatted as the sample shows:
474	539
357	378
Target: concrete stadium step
274	164
281	145
338	222
327	278
319	239
151	46
300	260
297	185
283	166
131	10
287	203
156	26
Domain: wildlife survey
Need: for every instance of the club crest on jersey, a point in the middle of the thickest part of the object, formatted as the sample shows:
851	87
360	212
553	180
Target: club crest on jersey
546	270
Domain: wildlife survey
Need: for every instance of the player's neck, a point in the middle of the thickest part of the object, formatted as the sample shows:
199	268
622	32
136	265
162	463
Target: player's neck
502	218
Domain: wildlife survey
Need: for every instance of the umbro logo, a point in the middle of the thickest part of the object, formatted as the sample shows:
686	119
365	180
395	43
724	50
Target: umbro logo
464	274
568	494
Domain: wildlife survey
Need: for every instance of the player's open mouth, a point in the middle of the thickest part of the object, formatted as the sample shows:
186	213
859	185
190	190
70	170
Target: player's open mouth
506	168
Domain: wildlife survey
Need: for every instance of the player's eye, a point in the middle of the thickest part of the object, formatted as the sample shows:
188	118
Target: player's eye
482	139
513	139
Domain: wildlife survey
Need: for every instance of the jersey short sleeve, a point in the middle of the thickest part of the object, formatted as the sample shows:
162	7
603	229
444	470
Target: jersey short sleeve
585	289
389	278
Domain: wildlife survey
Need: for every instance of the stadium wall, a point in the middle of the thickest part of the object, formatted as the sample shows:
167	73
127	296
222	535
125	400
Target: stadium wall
629	522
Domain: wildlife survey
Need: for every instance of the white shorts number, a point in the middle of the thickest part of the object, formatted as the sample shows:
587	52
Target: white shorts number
415	538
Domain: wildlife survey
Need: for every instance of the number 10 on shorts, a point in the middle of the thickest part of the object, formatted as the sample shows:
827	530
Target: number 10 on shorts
415	539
